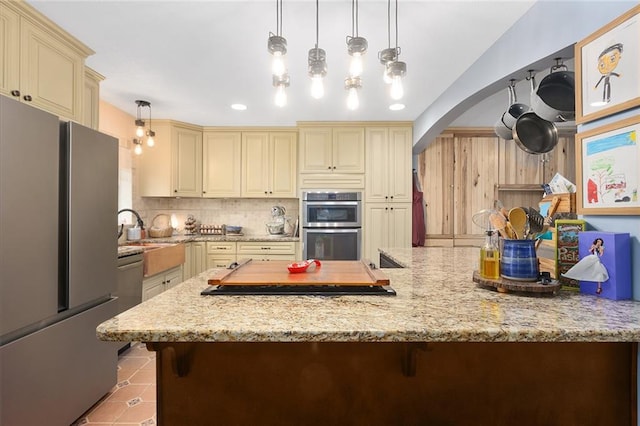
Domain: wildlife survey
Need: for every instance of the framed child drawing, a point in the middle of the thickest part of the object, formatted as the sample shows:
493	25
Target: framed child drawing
607	159
607	67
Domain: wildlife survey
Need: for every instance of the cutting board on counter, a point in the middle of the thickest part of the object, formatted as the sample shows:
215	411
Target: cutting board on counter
274	272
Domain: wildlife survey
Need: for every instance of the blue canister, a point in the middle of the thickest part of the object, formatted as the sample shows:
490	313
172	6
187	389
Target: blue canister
519	261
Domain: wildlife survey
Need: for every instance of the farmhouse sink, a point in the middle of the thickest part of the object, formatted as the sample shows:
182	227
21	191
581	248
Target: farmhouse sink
159	257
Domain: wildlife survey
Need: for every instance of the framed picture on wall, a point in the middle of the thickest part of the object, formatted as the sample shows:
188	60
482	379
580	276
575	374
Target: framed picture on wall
607	160
607	67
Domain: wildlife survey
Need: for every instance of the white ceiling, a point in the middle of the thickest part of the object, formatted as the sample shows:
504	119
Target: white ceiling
193	59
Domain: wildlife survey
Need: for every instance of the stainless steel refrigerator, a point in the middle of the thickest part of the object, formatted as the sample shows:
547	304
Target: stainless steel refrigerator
58	254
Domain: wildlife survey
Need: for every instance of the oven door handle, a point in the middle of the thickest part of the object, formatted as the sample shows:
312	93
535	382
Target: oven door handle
331	203
334	230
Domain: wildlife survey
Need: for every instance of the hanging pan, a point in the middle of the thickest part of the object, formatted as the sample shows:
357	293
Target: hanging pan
534	134
554	98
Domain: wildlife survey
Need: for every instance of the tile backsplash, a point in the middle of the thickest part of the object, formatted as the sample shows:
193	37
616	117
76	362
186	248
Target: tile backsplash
251	214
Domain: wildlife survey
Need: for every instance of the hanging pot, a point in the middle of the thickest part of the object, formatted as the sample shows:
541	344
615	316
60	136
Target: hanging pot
534	134
505	123
554	98
515	109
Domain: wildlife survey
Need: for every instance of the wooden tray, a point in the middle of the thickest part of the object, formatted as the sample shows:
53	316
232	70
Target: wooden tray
274	272
504	285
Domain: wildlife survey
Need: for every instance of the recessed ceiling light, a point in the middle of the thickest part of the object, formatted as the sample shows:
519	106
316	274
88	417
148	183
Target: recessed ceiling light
239	107
396	107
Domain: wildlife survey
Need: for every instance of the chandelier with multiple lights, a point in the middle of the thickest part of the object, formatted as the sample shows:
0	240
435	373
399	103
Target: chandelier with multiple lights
394	70
140	128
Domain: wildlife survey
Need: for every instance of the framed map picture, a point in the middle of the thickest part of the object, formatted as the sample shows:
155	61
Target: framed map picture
608	69
607	160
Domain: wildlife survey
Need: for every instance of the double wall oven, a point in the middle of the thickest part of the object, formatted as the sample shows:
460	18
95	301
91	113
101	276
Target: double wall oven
332	225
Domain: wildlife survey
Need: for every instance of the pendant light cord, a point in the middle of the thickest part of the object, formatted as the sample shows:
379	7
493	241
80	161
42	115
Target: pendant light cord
397	53
389	22
317	27
279	17
354	18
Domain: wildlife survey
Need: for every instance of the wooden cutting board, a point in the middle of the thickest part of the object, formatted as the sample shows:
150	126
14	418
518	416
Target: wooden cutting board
275	272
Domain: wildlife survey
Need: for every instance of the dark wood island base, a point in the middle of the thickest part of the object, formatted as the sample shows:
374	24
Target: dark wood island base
335	383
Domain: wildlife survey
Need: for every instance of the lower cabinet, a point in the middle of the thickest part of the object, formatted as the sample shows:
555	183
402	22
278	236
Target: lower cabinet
156	284
261	250
387	225
220	254
195	259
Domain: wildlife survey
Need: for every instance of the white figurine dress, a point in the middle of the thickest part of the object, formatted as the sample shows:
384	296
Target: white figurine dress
589	268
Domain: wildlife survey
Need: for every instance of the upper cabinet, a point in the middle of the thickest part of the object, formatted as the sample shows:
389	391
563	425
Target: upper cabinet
173	167
332	149
269	164
221	164
91	103
388	158
40	63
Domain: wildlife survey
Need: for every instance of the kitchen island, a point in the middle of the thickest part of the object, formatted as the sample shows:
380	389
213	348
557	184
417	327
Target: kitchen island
443	351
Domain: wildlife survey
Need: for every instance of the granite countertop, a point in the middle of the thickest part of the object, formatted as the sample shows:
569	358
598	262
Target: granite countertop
436	301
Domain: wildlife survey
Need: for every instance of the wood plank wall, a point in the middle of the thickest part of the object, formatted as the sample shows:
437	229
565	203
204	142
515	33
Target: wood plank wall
465	170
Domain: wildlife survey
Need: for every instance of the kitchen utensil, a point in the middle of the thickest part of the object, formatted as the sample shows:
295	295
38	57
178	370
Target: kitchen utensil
134	234
298	267
499	223
554	98
275	228
518	220
233	229
536	222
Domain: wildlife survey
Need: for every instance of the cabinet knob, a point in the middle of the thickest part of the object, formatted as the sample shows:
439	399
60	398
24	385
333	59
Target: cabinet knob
27	98
329	167
265	192
175	190
15	93
270	192
391	208
334	167
386	197
386	208
392	197
204	192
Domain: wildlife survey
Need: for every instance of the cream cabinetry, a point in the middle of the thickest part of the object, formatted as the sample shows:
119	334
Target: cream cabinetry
195	259
221	164
387	225
173	167
220	254
41	63
161	282
91	103
332	150
269	164
259	250
388	160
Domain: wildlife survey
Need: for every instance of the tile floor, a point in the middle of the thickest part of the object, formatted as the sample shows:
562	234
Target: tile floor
132	401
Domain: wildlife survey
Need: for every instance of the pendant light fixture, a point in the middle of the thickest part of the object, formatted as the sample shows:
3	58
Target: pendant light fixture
140	128
356	47
317	64
277	47
394	70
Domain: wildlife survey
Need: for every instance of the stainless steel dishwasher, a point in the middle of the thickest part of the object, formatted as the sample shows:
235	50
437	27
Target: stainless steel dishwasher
129	287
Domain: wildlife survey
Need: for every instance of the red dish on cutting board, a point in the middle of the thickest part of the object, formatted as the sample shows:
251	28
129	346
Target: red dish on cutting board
298	267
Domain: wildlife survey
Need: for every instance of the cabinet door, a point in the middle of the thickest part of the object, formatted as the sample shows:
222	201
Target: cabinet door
154	165
436	171
400	174
282	160
316	150
221	168
255	168
187	267
348	150
377	175
9	51
152	286
220	261
250	248
50	72
376	229
187	162
400	225
173	278
198	258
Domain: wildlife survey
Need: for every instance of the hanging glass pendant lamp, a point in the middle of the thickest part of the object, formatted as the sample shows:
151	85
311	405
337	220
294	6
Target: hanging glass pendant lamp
317	64
394	70
277	45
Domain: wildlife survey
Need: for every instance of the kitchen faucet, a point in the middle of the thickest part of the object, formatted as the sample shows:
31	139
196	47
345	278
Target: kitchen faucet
138	218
